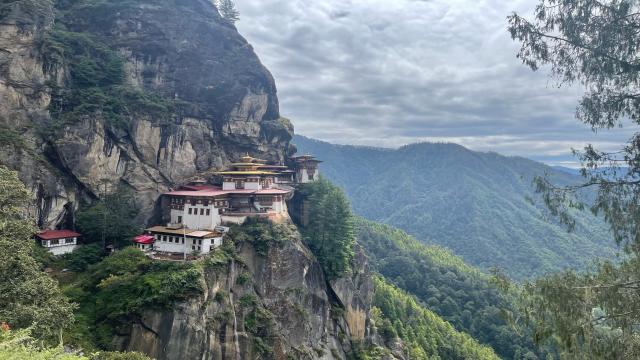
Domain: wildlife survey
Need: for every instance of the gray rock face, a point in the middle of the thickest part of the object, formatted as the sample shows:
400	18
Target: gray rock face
179	50
289	284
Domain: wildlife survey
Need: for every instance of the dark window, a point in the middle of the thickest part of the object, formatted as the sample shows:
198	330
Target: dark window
180	219
193	248
205	203
208	212
200	242
190	210
201	211
193	202
54	242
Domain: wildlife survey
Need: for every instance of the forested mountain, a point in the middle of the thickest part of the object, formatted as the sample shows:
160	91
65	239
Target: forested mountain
480	205
457	292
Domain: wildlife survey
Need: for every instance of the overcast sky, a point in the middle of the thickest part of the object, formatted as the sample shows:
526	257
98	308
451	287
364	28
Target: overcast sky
393	72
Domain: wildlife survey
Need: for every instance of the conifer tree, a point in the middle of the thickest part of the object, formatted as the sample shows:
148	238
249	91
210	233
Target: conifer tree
330	233
227	9
595	43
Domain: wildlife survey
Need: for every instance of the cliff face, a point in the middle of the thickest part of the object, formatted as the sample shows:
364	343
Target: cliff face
192	96
269	305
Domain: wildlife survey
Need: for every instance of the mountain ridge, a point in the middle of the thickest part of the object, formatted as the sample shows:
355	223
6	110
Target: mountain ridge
483	206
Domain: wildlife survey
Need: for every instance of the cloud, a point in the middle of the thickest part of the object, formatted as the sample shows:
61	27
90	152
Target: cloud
388	73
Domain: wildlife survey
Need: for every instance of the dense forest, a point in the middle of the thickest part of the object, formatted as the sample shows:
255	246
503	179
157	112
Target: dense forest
426	335
458	293
482	206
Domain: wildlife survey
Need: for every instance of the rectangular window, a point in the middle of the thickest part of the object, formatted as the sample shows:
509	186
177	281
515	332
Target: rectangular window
68	241
201	211
44	243
205	203
179	219
194	241
193	202
193	248
54	242
208	212
199	248
183	240
200	242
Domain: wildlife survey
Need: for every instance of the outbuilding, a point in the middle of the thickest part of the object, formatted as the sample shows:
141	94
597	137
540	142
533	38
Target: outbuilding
58	242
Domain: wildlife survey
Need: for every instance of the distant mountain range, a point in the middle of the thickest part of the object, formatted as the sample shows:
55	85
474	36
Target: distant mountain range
482	206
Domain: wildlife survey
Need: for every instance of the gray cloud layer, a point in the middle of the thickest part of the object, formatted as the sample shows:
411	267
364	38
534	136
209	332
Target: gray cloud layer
388	73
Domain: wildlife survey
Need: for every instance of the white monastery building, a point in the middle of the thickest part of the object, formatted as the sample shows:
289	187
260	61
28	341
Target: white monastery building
306	168
58	242
249	188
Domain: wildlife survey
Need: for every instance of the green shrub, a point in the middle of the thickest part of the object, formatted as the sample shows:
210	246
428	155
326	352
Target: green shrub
261	233
81	258
243	278
115	291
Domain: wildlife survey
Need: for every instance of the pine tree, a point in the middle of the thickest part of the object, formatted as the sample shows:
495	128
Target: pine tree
227	9
595	43
330	233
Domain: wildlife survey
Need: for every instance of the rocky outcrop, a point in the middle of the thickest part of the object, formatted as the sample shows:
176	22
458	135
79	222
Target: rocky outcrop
284	290
182	52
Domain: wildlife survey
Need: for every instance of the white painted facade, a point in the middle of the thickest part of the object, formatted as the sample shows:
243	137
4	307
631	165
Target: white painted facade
197	217
305	175
277	206
60	246
181	244
144	247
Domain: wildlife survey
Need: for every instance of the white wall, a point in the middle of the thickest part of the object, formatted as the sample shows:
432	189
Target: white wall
252	185
276	206
192	244
62	249
226	219
170	246
195	220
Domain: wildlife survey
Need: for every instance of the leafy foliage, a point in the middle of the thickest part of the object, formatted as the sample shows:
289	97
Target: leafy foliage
450	288
596	44
96	82
20	345
228	11
115	292
261	233
28	297
330	231
80	259
426	336
482	206
113	216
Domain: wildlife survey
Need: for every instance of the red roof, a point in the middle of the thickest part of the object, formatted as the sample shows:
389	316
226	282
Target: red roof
144	239
56	234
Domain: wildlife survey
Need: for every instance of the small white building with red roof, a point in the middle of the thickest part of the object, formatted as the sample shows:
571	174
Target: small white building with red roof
58	242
